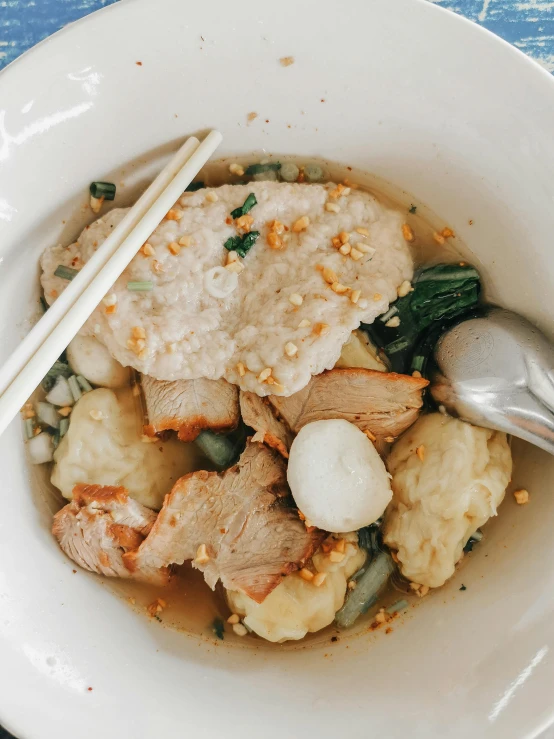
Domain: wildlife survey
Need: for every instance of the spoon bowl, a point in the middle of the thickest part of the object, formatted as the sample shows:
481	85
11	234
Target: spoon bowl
497	371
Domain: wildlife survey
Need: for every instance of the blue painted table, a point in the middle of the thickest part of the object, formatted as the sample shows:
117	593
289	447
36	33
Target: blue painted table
528	24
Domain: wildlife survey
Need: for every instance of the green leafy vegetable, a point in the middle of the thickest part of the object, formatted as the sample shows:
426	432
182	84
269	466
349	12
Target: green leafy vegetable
258	168
194	186
66	273
425	345
413	209
218	628
369	538
104	190
440	294
248	204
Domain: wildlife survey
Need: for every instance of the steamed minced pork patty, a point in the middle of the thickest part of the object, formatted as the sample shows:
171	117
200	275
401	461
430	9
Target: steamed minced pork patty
190	334
443	494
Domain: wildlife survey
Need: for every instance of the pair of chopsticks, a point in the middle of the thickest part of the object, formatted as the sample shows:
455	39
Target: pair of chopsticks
27	366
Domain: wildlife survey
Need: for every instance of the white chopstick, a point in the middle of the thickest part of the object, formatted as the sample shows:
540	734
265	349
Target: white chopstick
51	335
36	337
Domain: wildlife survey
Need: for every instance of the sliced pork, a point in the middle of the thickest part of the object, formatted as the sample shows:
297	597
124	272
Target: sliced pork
237	526
257	413
189	406
100	525
384	403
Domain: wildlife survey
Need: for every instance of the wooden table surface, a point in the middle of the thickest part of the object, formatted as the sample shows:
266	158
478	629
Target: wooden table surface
528	24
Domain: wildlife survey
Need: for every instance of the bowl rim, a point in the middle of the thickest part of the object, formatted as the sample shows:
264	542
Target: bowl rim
122	7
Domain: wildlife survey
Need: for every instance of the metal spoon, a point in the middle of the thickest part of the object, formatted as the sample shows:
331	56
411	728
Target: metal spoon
497	371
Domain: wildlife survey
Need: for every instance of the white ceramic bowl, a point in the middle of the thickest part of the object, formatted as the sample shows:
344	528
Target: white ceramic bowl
400	88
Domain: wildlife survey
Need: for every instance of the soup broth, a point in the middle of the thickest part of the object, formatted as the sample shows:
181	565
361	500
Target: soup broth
187	603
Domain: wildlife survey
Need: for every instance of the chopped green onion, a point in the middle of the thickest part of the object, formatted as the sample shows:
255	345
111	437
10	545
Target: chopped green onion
218	628
258	168
86	387
400	605
56	439
413	209
104	190
60	394
233	243
242	244
401	344
313	172
194	186
368	588
64	426
289	172
248	204
140	286
248	241
29	428
392	311
41	448
66	273
74	387
48	415
58	368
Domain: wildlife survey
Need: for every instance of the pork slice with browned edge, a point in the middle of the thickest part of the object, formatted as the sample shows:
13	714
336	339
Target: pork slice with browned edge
384	403
190	406
100	525
238	526
258	413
